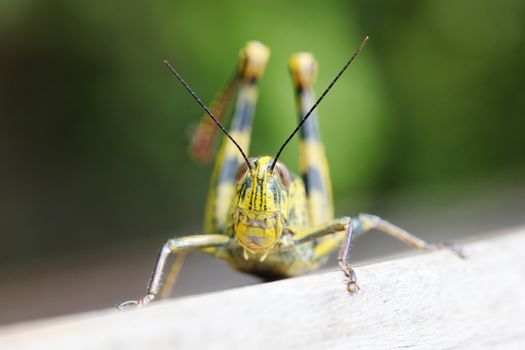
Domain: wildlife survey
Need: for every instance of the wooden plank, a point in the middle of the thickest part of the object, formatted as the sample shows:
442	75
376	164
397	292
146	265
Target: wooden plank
429	300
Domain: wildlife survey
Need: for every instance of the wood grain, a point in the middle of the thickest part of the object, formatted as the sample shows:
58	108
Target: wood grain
427	301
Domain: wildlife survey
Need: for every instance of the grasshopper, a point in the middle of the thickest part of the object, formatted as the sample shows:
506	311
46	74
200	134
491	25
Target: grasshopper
260	217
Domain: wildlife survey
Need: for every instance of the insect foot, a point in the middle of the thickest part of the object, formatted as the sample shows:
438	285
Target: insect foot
352	286
454	248
136	303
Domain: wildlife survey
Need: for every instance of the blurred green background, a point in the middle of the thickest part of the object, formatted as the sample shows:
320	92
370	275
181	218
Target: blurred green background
93	129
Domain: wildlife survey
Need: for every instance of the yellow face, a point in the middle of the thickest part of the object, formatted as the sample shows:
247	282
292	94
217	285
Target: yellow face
261	204
257	231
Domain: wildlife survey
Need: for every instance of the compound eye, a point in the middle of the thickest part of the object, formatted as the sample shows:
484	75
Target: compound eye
241	172
283	175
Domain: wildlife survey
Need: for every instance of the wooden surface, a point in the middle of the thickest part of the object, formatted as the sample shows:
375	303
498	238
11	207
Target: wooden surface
428	300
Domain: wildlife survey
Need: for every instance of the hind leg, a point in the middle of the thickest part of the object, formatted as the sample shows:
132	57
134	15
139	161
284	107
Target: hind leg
313	163
222	185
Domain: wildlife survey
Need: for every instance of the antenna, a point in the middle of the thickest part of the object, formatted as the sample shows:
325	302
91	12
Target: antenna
318	101
207	111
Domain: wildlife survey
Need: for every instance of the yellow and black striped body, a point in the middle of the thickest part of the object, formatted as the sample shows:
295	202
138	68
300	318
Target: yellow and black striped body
253	206
267	210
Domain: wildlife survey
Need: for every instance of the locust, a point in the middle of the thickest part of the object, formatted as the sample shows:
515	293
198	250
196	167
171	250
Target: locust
260	217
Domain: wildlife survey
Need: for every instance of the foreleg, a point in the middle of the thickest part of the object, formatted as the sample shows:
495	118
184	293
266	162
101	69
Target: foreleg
204	243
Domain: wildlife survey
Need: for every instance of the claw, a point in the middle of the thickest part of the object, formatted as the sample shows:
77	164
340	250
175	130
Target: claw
455	248
127	304
135	303
352	286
